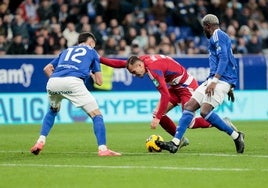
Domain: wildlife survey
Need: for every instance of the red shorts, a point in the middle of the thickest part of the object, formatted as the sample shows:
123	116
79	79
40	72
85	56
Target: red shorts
181	94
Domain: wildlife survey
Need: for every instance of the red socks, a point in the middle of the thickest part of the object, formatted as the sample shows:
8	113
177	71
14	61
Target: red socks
167	124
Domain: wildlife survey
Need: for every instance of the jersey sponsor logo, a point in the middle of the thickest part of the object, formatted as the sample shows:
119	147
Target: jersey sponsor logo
21	76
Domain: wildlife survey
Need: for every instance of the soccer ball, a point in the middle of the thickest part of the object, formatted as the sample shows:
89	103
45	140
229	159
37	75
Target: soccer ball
150	143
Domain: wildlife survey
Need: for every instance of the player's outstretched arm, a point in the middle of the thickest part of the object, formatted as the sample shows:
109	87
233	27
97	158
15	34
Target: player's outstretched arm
115	63
48	69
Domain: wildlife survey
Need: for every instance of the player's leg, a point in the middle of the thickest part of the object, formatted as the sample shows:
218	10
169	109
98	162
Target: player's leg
99	129
183	96
207	112
184	122
88	103
165	122
189	106
199	122
168	125
49	119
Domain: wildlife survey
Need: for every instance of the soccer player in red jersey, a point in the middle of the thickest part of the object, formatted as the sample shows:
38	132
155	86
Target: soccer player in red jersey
172	81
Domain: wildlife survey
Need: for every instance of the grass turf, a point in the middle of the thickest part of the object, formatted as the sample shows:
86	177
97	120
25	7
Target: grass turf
70	159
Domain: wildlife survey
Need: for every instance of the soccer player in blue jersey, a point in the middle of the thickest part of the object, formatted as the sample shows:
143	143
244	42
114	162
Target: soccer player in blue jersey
222	78
66	75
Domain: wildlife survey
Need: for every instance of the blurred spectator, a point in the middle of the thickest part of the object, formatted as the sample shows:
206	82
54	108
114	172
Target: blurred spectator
19	27
117	9
152	43
159	12
244	16
140	21
228	16
62	44
128	22
62	15
38	50
254	45
123	49
40	41
45	11
136	49
244	32
114	24
151	27
235	5
131	35
74	13
56	7
185	14
232	34
150	50
16	47
101	33
86	28
70	34
3	28
84	20
264	34
3	9
7	20
56	32
241	46
4	44
263	7
216	7
29	10
143	25
142	38
110	47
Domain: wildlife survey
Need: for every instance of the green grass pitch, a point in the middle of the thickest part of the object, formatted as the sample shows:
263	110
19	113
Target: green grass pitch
70	159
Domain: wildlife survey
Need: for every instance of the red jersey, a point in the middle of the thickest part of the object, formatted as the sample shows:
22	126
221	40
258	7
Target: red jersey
164	71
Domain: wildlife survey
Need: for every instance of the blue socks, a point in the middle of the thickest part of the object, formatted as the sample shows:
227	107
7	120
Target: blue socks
99	129
185	120
48	122
217	122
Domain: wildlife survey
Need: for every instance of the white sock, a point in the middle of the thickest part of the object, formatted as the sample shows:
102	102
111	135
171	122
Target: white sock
176	141
42	138
234	135
102	147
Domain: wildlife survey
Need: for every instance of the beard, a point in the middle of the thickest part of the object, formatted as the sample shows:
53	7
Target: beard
208	35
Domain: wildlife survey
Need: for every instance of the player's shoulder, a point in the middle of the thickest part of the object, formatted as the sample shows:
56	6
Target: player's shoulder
219	34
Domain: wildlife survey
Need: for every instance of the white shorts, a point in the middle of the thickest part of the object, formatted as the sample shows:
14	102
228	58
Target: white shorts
70	88
221	90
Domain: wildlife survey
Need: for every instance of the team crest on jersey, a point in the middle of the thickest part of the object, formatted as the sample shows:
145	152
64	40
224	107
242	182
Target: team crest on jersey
156	83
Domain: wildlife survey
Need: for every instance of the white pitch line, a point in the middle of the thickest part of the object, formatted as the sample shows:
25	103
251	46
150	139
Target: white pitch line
132	167
126	153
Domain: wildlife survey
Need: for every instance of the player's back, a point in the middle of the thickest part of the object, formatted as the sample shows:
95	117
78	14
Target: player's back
76	61
171	69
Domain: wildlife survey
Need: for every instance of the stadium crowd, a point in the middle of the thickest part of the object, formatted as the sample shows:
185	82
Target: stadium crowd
171	27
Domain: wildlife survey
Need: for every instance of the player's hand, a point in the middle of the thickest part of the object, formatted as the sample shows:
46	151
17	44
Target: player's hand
154	123
210	89
231	95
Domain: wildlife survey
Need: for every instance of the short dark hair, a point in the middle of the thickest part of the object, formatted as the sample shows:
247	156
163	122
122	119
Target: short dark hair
132	60
84	36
